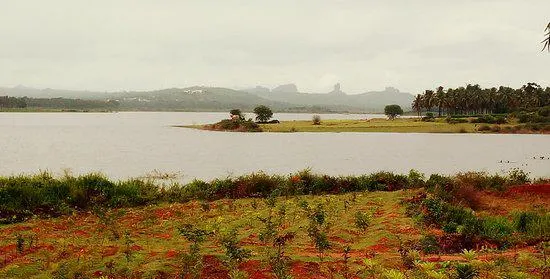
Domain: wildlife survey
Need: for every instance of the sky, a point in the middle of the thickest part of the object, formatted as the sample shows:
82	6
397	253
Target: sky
114	45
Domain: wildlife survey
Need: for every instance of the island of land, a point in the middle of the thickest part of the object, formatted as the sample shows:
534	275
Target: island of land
381	125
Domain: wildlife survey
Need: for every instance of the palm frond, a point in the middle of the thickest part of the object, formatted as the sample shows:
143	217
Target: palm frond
546	41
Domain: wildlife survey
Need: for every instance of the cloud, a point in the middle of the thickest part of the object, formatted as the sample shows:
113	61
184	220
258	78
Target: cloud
366	45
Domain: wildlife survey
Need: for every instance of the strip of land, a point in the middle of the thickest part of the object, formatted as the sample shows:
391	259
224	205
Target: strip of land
380	125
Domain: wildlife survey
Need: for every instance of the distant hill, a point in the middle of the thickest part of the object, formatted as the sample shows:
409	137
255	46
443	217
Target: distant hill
198	98
373	101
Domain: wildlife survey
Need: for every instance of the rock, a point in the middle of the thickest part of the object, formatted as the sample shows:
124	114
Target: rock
286	88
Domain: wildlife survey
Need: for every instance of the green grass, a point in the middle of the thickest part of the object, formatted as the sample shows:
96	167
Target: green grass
403	125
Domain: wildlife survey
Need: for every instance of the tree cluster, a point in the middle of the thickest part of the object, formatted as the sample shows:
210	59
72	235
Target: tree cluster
473	99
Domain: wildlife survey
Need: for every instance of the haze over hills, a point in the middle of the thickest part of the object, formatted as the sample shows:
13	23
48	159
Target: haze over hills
199	98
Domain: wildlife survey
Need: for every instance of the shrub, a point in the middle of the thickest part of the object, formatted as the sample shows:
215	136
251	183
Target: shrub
532	225
429	117
235	125
483	128
454	120
428	244
496	228
489	119
466	271
495	129
316	119
362	220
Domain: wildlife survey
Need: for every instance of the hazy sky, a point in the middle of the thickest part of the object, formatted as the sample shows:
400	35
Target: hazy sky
365	45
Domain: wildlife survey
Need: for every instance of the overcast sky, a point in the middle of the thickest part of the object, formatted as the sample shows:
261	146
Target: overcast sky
112	45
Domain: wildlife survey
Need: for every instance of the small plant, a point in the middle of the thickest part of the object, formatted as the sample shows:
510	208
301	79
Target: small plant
370	267
316	119
346	272
110	220
192	260
279	262
234	254
19	243
393	274
317	230
469	255
466	271
362	220
205	206
128	242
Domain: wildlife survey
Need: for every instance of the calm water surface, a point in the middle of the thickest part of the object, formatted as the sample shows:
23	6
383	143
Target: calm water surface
132	144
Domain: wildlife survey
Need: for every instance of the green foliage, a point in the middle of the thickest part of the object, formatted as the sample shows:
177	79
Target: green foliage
316	119
455	120
362	220
263	113
392	111
236	125
237	113
192	260
466	271
489	119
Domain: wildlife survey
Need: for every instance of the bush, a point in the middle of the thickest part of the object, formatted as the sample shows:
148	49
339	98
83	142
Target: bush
429	117
235	125
489	119
316	119
362	220
453	120
496	228
484	128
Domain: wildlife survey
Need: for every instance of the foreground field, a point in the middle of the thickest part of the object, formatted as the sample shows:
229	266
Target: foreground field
367	235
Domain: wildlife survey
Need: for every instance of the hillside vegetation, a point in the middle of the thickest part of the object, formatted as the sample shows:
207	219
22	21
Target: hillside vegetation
382	225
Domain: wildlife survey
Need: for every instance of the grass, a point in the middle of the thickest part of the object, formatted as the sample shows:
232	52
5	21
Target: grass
133	230
378	125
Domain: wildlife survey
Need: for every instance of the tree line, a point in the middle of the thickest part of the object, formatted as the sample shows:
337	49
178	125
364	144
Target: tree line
472	99
7	102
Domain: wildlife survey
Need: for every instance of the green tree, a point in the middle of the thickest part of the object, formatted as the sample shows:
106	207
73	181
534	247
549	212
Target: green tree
440	99
417	104
236	112
393	111
263	113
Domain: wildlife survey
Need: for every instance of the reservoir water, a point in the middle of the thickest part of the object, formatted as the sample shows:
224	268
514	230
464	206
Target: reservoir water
132	144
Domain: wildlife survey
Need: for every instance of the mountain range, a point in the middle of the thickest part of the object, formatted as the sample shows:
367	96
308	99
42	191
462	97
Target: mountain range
199	98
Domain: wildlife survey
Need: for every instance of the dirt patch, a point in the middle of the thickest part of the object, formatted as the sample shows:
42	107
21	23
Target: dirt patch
303	270
537	189
256	270
213	268
109	251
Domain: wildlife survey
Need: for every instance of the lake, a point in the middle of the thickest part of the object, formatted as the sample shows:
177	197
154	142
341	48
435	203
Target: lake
132	144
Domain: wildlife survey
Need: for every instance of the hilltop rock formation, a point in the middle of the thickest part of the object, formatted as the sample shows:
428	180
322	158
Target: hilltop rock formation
337	90
286	88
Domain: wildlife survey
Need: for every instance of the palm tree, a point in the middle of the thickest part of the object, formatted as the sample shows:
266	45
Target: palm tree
417	104
547	40
440	99
428	100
